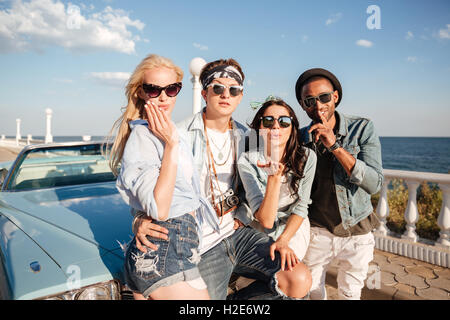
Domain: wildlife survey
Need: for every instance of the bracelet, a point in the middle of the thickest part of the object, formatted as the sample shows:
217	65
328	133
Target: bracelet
335	146
137	218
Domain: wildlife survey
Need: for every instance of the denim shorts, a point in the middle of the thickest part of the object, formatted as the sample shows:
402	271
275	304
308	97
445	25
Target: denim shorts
174	261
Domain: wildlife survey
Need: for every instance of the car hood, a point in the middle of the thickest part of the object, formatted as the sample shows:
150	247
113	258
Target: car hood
95	214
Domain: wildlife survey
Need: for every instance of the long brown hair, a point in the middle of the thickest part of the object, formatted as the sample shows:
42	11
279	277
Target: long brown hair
135	107
294	157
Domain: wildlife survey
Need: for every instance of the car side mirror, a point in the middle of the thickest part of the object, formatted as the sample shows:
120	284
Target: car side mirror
3	173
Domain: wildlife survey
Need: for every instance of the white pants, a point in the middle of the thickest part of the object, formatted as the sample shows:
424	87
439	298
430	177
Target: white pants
300	241
353	253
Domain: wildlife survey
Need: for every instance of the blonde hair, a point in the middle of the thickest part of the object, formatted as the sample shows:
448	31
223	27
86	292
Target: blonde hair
135	106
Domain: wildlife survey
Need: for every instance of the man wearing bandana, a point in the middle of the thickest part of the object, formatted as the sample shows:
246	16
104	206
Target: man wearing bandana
217	141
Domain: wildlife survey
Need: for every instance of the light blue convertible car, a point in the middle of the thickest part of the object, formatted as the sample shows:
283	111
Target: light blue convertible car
63	225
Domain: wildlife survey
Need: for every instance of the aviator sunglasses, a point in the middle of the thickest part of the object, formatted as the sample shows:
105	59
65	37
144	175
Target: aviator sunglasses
153	91
269	121
323	98
220	88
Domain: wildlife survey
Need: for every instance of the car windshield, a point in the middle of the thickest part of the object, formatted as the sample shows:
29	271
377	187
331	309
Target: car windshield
60	166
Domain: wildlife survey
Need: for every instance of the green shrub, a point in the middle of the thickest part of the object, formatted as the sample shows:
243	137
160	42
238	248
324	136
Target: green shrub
429	202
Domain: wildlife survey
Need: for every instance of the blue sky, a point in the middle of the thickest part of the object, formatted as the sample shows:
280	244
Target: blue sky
74	57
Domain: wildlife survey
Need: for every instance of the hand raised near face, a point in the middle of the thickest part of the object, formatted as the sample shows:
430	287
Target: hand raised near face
323	131
161	125
272	168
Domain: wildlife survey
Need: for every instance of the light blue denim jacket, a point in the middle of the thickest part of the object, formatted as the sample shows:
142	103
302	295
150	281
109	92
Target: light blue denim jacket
255	178
192	129
353	192
140	167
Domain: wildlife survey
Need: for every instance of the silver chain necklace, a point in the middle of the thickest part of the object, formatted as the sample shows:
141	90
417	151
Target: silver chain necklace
220	155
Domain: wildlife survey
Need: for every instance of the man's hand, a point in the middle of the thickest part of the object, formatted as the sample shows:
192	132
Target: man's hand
145	227
237	224
324	132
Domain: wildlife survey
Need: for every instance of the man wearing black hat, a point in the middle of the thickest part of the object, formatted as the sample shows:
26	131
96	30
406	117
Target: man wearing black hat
348	171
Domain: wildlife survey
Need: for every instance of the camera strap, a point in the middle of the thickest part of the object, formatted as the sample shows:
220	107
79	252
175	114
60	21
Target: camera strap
212	168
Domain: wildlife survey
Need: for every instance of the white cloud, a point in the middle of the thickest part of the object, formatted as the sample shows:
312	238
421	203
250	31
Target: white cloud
364	43
200	46
444	33
409	35
37	24
411	59
333	18
111	78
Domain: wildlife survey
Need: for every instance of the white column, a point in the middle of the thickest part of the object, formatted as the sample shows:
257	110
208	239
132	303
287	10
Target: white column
18	135
383	209
29	137
444	217
411	213
48	134
195	68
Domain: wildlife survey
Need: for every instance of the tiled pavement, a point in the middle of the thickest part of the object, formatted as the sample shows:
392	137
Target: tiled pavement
391	277
401	279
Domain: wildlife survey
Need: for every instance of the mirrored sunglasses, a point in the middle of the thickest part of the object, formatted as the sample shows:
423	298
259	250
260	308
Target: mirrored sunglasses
153	91
269	121
220	88
323	98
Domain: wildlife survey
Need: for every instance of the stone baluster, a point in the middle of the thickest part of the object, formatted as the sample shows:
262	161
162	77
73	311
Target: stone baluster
383	209
444	217
411	213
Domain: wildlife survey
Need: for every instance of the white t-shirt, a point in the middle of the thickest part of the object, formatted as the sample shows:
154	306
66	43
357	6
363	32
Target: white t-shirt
221	148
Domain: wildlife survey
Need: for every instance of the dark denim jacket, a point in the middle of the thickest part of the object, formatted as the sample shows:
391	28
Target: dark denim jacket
353	192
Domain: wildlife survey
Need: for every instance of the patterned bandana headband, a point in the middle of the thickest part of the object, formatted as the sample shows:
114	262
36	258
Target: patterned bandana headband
222	71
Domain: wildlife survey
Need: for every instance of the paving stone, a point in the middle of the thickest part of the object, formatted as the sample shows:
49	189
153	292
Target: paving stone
406	262
405	288
445	273
412	280
395	269
388	278
422	271
332	293
242	282
384	253
440	283
433	294
380	260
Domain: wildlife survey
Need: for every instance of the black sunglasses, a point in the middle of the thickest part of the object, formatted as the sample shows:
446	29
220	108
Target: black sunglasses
323	98
220	88
269	121
153	91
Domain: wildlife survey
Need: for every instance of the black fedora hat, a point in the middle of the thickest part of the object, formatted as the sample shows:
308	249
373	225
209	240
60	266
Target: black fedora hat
313	73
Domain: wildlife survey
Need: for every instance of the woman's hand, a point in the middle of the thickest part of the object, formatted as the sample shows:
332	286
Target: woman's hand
272	168
160	125
288	256
145	227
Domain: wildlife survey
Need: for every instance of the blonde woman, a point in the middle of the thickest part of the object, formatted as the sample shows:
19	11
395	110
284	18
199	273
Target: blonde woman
153	182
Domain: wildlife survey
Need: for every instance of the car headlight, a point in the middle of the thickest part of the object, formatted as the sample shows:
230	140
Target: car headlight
99	291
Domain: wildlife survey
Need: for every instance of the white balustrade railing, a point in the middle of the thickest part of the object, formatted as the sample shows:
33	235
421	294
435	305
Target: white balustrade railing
413	179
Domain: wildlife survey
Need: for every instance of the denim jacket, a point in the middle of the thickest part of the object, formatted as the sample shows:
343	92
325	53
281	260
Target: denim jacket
192	129
358	137
140	167
255	178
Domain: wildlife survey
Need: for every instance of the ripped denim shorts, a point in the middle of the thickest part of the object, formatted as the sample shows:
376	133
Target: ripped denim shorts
175	260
